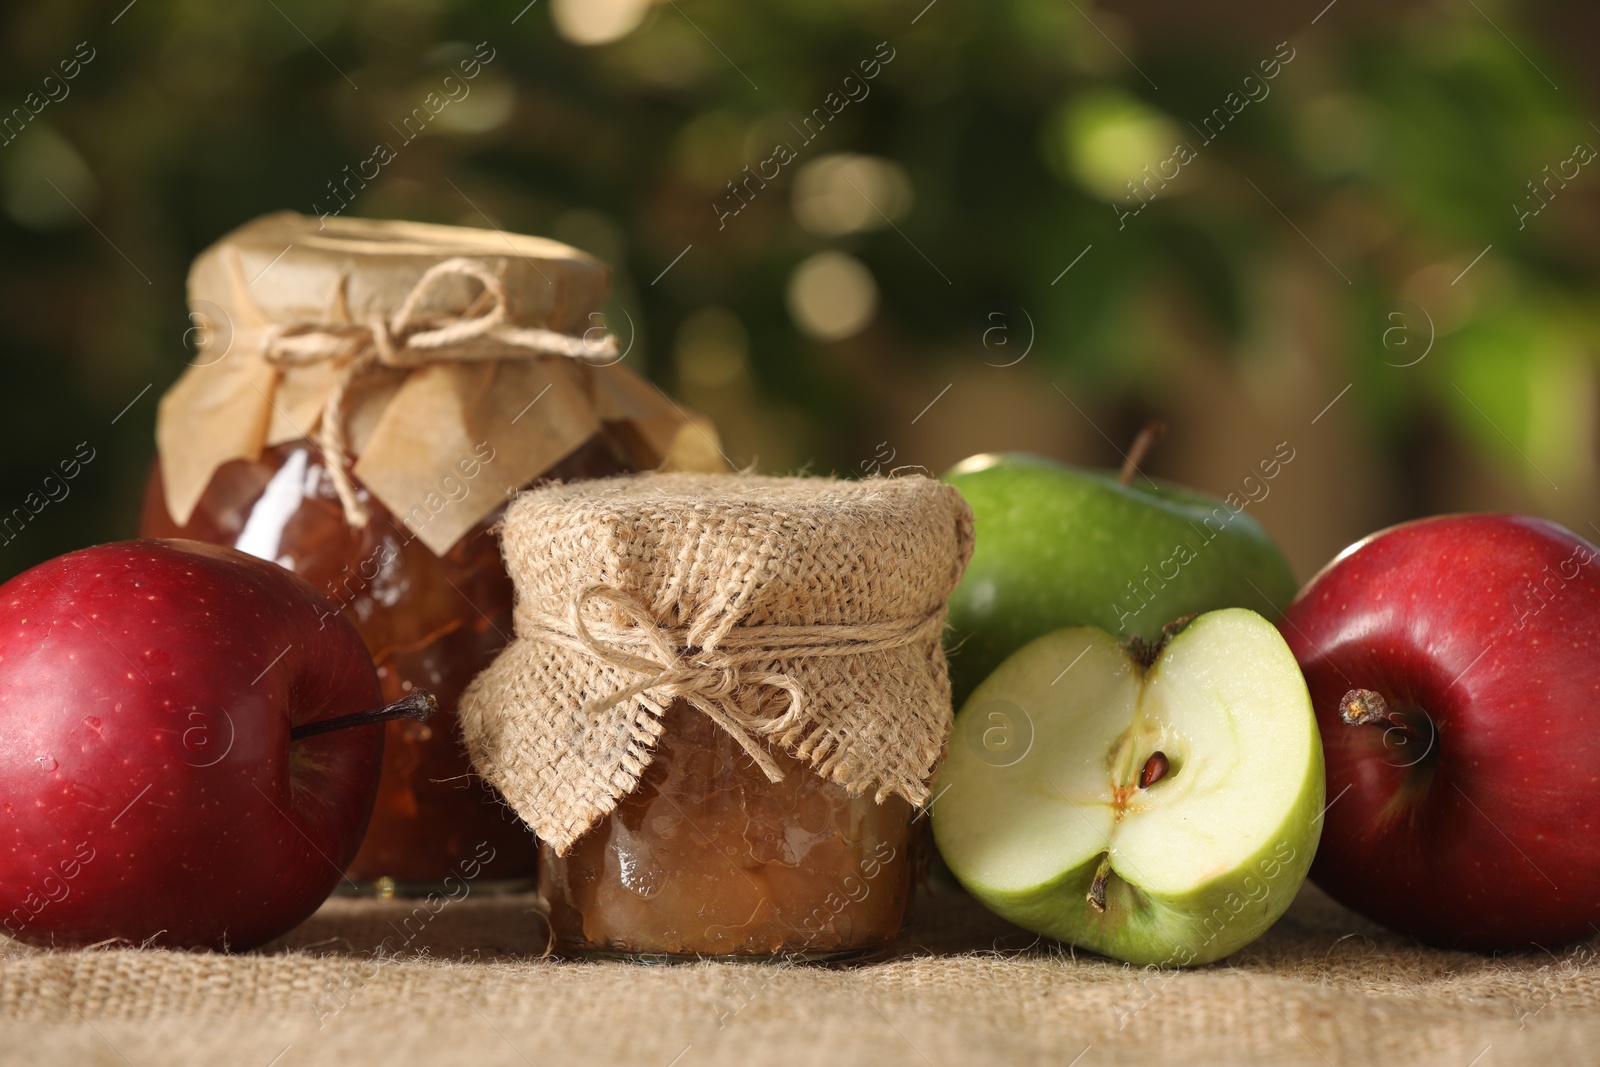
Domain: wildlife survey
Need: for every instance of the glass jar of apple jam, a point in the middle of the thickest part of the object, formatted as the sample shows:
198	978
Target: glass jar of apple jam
725	698
366	397
429	621
709	858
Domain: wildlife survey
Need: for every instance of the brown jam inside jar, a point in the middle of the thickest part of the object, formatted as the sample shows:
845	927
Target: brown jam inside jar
708	858
429	621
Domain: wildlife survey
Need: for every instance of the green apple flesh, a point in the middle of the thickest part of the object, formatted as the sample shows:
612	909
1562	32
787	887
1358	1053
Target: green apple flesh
1041	792
1059	546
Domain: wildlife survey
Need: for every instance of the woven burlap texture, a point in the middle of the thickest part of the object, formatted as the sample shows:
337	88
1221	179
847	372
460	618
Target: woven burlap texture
803	613
381	984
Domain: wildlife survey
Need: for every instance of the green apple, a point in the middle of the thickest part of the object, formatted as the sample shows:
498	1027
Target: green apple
1060	546
1159	804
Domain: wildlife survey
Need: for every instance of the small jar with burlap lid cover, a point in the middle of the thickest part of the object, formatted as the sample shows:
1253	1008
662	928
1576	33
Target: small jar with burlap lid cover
724	699
366	397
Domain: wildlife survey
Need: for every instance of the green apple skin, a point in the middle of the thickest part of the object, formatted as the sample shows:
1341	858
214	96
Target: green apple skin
1062	546
1183	926
1176	930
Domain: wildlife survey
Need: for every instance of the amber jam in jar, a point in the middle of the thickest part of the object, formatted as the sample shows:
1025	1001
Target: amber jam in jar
429	621
707	857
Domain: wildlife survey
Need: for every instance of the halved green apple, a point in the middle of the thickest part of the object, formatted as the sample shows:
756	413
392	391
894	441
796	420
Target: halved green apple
1157	804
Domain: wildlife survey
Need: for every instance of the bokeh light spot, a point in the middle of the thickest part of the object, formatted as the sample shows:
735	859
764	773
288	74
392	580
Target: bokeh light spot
1101	140
592	22
832	296
846	193
42	174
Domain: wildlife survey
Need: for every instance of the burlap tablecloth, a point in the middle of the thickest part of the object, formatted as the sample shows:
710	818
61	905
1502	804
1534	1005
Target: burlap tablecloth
465	986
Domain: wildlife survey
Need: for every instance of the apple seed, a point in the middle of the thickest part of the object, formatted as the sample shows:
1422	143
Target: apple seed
1155	769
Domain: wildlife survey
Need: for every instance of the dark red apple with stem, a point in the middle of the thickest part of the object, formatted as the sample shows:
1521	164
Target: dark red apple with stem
1454	665
179	764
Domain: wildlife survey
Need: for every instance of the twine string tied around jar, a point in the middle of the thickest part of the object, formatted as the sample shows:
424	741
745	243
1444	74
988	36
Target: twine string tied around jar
721	677
405	341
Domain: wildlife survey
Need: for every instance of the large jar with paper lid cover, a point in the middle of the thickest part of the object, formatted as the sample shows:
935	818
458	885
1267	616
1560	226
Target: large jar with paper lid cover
366	397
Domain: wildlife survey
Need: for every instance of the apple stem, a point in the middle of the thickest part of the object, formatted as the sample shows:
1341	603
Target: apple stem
417	704
1149	434
1097	888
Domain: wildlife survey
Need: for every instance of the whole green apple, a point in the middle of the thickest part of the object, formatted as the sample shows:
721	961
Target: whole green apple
1062	546
1156	804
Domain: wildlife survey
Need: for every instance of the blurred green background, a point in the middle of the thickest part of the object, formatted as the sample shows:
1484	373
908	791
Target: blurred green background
1364	229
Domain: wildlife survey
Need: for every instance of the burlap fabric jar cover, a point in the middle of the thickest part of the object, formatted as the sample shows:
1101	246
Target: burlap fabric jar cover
803	613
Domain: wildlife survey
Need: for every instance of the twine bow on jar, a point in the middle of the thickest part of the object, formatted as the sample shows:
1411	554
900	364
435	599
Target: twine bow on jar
718	669
405	341
802	616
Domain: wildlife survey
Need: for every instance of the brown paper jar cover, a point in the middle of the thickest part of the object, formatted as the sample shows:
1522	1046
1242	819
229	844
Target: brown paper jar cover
437	446
409	426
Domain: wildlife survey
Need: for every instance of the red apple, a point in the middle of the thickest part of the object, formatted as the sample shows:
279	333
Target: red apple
1452	664
149	787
